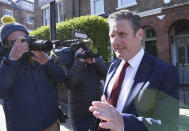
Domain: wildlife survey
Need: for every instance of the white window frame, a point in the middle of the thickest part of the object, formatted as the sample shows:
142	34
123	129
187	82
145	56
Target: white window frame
92	6
46	19
60	12
8	12
126	5
29	20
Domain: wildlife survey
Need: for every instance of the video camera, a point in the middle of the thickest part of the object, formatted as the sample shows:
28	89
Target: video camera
41	45
66	53
80	41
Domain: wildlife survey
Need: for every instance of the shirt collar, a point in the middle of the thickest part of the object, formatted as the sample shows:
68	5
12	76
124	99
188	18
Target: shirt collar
135	61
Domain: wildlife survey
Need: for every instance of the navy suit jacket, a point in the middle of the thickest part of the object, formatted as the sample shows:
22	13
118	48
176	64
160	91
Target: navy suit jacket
152	103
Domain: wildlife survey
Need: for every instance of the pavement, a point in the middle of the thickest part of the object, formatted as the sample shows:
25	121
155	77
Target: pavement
183	121
66	126
2	118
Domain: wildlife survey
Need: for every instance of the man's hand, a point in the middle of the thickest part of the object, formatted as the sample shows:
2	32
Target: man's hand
80	51
88	60
104	111
18	49
40	57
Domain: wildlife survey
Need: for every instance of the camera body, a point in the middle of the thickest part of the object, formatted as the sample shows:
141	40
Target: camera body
66	53
40	45
80	41
86	45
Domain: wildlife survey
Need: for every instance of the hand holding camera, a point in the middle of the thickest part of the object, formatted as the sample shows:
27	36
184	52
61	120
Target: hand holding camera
40	57
18	48
80	52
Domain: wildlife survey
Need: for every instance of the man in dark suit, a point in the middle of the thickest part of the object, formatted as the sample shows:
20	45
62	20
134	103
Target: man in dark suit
147	98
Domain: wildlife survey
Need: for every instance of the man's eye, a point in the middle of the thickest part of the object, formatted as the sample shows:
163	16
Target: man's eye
11	42
112	36
122	34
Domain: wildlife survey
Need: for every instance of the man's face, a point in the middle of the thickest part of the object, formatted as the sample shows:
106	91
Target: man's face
11	39
125	42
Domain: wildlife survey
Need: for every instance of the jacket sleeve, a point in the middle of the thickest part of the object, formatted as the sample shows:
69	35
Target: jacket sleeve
100	66
164	117
74	74
54	71
9	71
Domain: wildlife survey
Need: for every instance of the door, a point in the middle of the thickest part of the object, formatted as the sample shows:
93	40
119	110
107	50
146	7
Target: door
182	59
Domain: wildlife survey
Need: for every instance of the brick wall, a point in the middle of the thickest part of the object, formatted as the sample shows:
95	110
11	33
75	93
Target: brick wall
38	17
9	7
68	8
85	7
110	6
162	28
19	15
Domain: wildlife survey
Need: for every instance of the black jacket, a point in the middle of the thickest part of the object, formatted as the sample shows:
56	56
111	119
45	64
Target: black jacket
84	86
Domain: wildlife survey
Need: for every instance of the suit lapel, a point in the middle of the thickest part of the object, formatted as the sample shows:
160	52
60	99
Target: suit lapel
141	77
111	72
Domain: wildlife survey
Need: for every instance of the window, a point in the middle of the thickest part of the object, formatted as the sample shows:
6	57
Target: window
27	6
97	7
150	41
60	6
46	15
8	12
126	3
29	19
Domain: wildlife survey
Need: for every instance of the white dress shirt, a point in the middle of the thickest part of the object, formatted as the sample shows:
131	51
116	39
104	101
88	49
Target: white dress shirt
128	79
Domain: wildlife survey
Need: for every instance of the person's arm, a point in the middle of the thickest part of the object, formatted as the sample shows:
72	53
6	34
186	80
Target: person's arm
53	70
101	67
76	70
10	66
74	74
9	71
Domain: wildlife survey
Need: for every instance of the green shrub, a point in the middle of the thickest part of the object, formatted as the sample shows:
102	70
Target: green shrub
96	27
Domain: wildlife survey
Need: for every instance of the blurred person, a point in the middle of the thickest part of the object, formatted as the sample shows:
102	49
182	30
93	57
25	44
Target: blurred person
84	76
30	101
141	91
84	81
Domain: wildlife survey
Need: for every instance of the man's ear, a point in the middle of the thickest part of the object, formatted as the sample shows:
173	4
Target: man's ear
140	34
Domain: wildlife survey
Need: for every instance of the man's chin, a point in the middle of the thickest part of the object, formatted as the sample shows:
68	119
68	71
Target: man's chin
121	57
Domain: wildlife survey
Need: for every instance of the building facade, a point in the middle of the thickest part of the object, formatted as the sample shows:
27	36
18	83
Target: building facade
21	10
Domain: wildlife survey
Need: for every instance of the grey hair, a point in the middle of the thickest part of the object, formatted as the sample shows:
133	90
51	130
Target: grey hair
132	17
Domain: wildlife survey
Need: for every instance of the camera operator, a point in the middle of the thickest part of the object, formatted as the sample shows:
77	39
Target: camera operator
30	101
83	82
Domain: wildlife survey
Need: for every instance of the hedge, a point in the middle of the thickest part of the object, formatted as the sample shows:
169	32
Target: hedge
96	27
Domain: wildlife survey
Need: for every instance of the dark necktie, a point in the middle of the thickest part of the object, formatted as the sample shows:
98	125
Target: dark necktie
116	90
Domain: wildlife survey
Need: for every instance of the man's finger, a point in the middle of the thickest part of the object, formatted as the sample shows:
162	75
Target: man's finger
102	104
107	125
103	114
103	99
